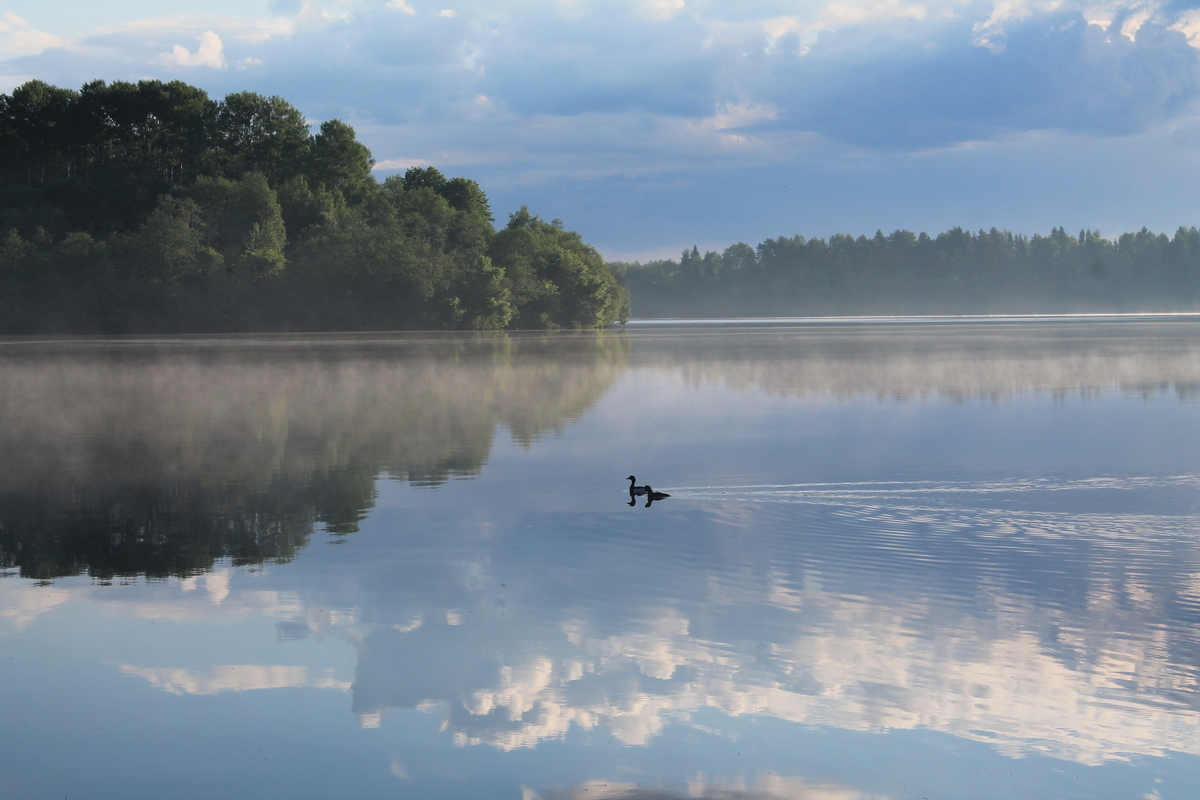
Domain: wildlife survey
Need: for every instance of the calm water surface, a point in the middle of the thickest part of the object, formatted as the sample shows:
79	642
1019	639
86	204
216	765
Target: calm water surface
946	559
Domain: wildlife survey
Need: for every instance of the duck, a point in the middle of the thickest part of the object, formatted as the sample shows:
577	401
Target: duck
653	495
633	488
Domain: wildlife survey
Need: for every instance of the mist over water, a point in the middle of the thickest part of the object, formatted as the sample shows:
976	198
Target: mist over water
896	557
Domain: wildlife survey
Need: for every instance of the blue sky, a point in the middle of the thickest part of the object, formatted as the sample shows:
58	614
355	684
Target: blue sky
650	125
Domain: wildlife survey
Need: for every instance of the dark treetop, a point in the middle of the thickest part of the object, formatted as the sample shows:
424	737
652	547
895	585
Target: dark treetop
150	207
956	272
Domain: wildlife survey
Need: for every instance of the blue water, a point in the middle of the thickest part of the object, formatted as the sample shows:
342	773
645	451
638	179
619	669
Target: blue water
900	559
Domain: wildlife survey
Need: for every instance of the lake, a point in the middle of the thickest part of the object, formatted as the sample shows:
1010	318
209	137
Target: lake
938	558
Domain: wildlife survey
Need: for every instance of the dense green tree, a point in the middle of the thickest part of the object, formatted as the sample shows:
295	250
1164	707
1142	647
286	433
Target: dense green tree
151	130
243	221
304	205
957	271
557	280
367	270
423	178
169	249
36	133
148	206
340	161
464	194
262	134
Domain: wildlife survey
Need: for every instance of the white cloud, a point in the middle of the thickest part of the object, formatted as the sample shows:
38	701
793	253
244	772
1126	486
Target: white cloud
990	32
1135	21
265	29
8	82
234	678
843	15
317	12
19	38
625	90
1189	25
399	163
661	10
210	53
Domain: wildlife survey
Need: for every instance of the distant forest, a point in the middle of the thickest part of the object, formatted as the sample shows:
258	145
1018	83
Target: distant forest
149	207
956	272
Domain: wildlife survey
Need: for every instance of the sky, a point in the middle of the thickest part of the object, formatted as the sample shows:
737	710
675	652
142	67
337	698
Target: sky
654	125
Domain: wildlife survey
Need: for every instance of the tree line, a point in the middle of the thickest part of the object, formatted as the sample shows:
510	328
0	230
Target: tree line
956	272
131	207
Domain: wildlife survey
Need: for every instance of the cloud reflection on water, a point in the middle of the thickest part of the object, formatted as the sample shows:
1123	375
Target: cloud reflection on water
1051	613
705	787
1105	677
234	678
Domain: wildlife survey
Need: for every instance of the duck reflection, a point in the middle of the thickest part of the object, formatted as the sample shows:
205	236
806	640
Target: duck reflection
652	495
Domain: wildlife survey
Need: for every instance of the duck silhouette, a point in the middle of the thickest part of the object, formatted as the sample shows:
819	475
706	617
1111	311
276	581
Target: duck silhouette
634	488
652	495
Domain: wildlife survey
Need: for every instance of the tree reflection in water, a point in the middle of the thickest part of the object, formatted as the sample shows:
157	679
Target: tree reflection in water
158	459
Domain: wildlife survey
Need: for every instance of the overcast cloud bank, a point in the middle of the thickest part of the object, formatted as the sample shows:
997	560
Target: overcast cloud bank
665	122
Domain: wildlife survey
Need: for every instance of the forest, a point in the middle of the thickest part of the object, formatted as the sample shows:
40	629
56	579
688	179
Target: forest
150	207
956	272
